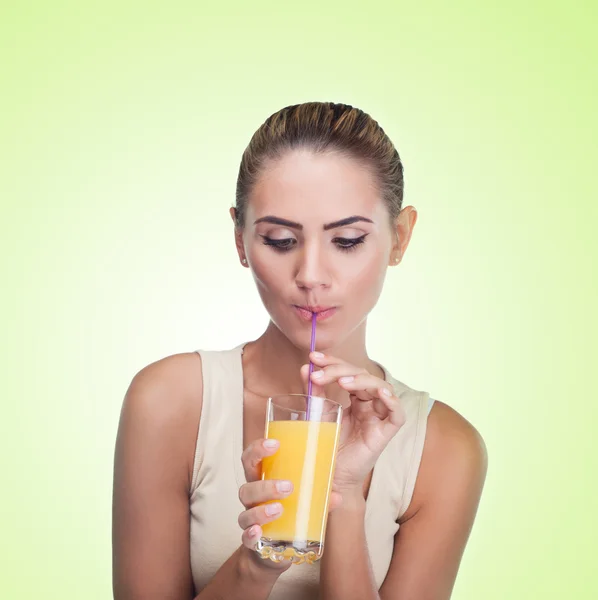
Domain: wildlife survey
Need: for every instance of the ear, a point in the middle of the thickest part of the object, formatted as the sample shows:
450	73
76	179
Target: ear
238	237
404	225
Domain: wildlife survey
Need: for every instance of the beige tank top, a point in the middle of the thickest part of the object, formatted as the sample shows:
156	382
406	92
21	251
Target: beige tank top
218	474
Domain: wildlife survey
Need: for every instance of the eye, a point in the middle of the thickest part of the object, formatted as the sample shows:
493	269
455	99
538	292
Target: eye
282	245
348	244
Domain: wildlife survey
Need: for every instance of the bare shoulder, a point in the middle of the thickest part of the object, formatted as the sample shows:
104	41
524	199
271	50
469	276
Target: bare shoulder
449	431
167	384
435	528
152	476
162	405
454	454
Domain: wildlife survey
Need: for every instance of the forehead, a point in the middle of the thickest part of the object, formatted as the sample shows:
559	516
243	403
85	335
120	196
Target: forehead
307	187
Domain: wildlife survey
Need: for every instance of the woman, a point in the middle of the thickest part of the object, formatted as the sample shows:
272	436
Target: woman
318	220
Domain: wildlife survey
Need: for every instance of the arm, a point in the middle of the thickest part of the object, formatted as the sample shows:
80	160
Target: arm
240	578
152	477
346	571
433	533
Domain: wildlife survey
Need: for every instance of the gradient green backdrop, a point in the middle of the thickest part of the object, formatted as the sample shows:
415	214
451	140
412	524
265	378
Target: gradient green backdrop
122	126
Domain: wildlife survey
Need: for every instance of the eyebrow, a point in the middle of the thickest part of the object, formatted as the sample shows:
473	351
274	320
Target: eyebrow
327	226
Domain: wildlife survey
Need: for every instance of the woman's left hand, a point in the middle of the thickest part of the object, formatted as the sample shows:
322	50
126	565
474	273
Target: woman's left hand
369	423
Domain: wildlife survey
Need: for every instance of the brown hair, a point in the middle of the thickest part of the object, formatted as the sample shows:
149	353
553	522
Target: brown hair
321	127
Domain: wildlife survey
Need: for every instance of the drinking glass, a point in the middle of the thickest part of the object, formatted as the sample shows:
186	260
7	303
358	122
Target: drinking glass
308	436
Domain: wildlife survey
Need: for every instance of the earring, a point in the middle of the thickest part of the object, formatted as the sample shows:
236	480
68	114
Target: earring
244	261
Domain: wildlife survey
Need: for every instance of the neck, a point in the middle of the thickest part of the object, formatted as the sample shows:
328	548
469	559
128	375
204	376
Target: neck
271	363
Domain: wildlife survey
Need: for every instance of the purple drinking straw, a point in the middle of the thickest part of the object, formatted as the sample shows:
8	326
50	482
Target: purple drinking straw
311	365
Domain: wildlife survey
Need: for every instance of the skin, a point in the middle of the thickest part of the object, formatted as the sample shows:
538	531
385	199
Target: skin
156	441
315	190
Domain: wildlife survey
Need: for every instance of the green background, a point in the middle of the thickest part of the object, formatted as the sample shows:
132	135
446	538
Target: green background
122	126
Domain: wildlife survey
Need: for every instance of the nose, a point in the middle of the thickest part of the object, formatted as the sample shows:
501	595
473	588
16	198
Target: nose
311	267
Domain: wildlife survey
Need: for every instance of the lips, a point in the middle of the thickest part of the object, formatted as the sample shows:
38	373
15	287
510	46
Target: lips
322	312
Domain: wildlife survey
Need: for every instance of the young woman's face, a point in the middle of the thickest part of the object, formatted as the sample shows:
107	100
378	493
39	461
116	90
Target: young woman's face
317	237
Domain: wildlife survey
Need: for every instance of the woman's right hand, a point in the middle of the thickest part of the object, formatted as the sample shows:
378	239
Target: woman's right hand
258	497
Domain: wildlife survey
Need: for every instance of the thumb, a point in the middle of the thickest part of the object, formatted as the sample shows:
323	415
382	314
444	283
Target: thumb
316	390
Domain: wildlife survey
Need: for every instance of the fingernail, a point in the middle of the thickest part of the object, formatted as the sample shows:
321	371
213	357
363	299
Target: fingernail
273	509
317	374
270	444
317	355
284	486
347	379
254	531
386	392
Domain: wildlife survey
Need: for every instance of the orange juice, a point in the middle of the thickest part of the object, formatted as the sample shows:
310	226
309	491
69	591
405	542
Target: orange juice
306	457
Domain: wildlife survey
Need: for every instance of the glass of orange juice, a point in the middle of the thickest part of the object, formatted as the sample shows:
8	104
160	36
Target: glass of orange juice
306	456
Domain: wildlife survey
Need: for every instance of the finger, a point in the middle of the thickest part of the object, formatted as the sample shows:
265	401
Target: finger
366	403
336	500
252	457
260	515
384	405
316	388
380	408
366	396
368	388
332	373
323	360
364	381
257	492
396	410
251	536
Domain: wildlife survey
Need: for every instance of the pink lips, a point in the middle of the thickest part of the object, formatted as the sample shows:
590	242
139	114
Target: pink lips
322	313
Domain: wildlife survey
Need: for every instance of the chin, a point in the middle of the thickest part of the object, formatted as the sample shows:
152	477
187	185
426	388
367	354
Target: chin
300	336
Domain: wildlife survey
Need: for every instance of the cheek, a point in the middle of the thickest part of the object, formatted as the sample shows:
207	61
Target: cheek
366	279
268	279
369	272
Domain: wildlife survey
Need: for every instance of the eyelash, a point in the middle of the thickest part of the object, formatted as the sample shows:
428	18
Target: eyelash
346	244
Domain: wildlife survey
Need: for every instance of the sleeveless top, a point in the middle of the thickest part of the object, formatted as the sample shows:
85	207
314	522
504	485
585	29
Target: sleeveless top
218	474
